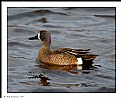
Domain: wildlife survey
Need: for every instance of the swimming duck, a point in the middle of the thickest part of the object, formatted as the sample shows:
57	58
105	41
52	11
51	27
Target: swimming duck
62	56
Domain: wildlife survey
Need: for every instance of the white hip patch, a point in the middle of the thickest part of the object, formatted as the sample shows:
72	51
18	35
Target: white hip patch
79	61
79	67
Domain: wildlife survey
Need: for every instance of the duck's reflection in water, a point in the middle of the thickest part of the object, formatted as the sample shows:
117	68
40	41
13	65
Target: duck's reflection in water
45	81
66	68
74	69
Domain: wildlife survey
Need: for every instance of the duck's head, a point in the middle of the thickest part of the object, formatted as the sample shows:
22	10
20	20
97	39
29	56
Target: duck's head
44	36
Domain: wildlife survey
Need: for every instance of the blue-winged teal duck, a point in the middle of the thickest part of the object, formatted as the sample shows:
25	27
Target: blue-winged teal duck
61	56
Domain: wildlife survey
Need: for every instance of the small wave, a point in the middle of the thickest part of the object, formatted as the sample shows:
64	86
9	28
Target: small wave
21	15
33	14
106	77
106	89
22	30
17	44
48	12
106	16
20	57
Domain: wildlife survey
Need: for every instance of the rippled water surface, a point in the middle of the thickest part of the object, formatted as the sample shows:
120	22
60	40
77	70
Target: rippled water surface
85	28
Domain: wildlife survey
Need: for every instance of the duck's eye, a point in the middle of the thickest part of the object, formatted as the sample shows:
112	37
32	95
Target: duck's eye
42	36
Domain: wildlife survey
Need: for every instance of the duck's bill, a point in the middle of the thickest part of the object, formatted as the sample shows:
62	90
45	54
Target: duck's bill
33	38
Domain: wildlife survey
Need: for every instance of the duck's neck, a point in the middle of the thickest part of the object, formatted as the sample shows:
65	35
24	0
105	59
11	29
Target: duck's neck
45	45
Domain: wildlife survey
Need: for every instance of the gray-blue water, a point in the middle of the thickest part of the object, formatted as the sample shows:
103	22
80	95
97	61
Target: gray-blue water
83	28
